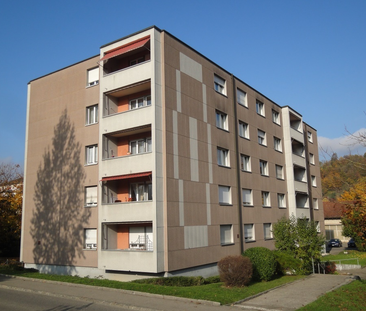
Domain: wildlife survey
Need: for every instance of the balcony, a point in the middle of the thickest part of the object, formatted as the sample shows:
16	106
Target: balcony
302	200
127	236
128	55
300	174
127	188
128	246
127	98
127	142
295	123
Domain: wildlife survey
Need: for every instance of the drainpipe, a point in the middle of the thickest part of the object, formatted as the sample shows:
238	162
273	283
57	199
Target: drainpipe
237	157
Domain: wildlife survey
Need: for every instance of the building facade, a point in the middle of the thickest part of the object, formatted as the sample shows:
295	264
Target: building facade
150	158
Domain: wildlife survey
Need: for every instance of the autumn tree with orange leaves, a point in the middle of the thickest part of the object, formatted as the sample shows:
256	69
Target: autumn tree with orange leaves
11	196
354	214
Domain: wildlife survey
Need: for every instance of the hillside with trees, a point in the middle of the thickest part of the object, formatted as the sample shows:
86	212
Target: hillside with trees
341	176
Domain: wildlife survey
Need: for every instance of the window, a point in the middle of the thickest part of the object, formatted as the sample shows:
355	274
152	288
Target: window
91	196
310	136
277	144
276	117
315	204
243	130
262	138
140	146
260	108
224	195
267	231
313	181
263	167
141	191
90	238
221	120
266	199
241	97
223	157
249	232
137	61
226	234
281	200
140	102
91	115
93	76
91	155
279	172
317	225
247	197
220	85
245	163
311	159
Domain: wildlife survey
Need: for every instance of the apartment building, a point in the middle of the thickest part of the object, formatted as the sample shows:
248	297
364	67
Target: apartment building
150	158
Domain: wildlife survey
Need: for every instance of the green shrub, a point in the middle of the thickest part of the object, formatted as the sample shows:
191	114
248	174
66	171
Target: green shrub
174	281
287	263
263	261
235	270
212	279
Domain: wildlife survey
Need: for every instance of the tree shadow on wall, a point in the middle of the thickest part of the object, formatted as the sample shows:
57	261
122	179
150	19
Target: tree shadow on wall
59	217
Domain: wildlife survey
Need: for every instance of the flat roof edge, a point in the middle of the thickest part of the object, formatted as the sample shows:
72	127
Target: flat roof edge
63	68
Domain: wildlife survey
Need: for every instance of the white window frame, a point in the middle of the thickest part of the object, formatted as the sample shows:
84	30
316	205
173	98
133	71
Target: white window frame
276	117
317	225
263	167
315	203
310	136
223	158
90	238
249	232
313	180
247	197
134	145
277	143
140	102
91	115
279	172
311	158
224	195
91	155
281	200
92	76
266	198
262	138
221	120
267	231
137	61
260	108
241	98
91	196
245	163
219	85
243	130
136	188
226	234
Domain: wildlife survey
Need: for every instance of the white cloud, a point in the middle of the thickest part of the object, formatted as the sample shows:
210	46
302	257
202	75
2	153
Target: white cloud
342	146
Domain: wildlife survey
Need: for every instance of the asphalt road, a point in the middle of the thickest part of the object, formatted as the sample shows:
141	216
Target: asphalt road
16	300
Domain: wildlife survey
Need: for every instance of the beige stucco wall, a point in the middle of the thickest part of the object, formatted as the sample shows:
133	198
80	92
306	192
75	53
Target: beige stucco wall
54	213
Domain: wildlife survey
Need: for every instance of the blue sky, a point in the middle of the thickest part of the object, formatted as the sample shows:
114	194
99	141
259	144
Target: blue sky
310	55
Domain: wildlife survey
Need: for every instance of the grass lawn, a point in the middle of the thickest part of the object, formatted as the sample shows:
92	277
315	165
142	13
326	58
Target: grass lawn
351	254
350	297
212	292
